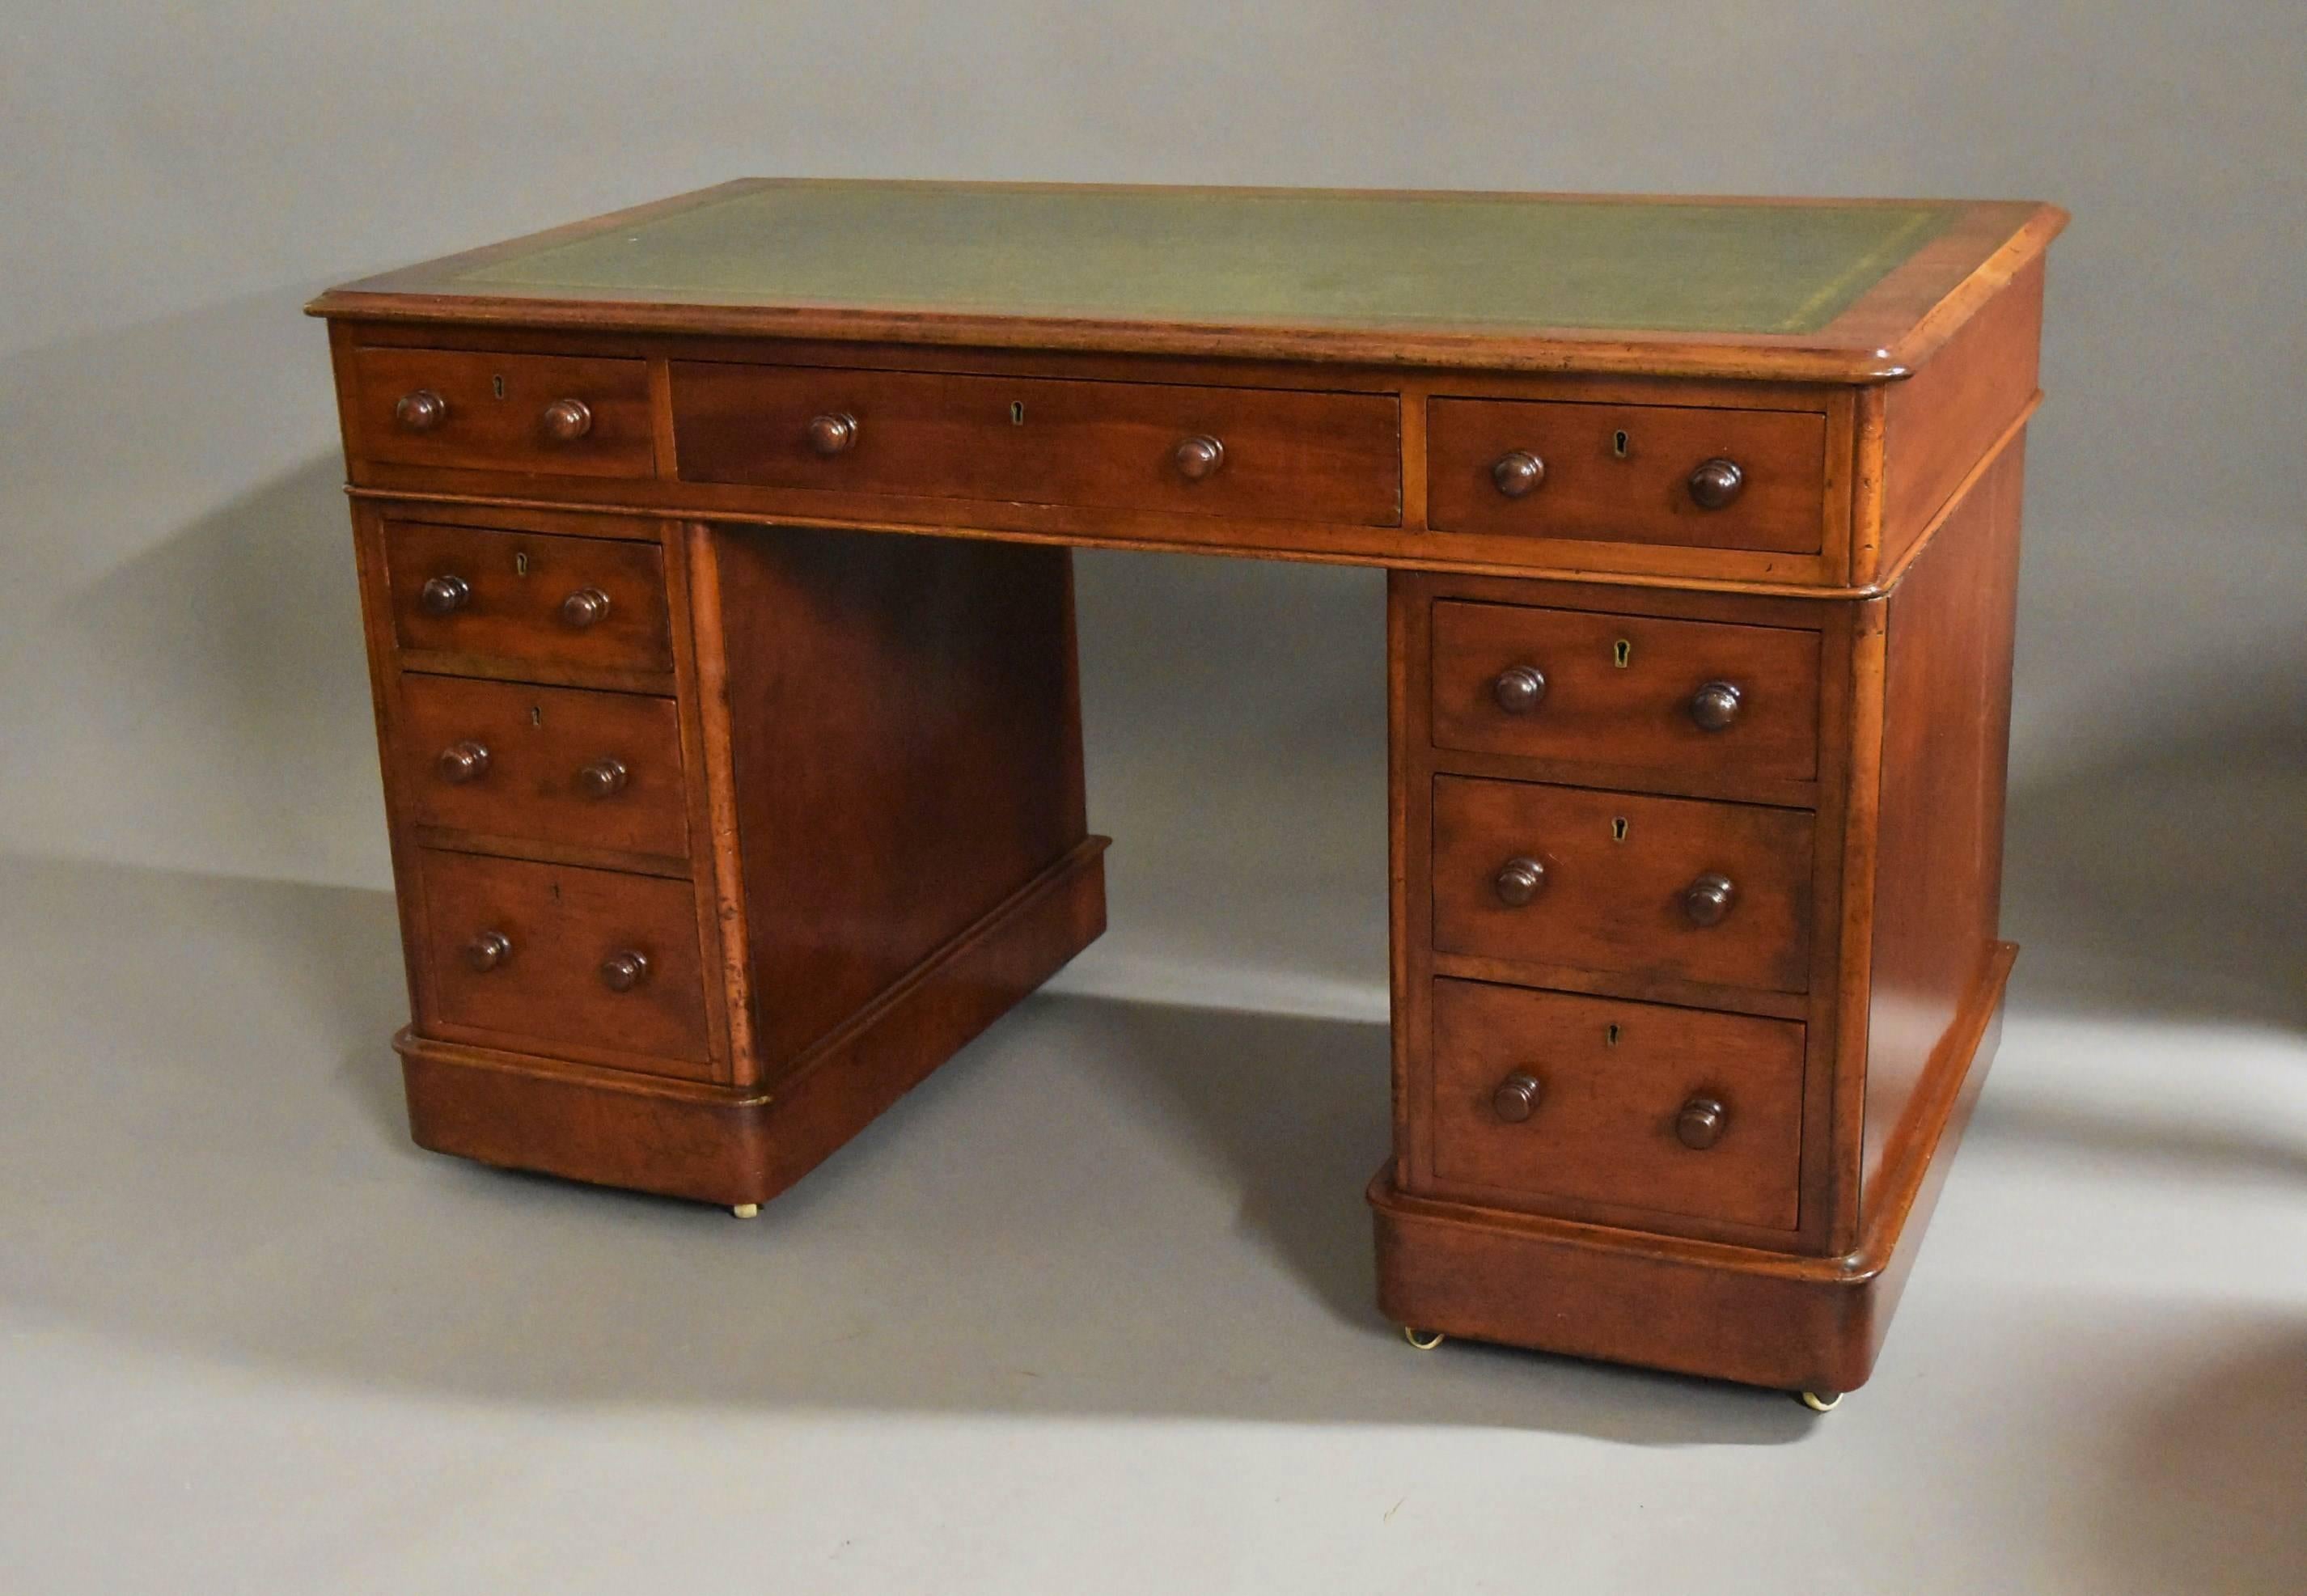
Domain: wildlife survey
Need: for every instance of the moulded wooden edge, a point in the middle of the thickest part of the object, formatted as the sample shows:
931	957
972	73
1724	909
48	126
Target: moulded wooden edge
1860	346
727	1145
1726	1312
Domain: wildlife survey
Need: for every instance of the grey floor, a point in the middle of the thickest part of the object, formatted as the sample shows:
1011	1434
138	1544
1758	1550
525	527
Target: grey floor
1089	1311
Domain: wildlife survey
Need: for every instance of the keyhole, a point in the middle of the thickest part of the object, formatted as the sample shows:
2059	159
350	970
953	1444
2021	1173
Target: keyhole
497	384
536	715
1609	1036
1016	412
1622	652
520	562
1618	443
1618	828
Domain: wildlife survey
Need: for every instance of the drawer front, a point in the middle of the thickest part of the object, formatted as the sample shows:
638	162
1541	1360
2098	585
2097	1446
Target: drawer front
544	415
592	603
542	764
549	976
1627	473
1627	691
1623	884
1278	455
1672	1110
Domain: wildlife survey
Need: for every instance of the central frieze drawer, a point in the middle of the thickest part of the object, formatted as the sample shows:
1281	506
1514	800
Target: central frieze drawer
1256	453
1623	885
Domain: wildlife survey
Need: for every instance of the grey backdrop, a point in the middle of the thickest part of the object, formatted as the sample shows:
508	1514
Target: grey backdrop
182	683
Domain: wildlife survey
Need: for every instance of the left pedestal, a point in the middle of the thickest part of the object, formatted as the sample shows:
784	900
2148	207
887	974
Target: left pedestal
711	842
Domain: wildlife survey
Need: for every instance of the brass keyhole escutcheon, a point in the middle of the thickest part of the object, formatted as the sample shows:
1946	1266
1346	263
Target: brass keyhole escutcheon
1618	828
520	563
496	386
1609	1036
1016	412
1618	444
1622	652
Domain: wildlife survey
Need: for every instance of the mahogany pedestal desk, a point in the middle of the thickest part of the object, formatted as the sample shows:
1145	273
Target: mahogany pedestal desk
715	558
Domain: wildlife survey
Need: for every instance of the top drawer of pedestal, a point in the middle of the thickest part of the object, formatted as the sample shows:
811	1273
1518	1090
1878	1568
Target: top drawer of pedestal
1251	452
1607	473
548	415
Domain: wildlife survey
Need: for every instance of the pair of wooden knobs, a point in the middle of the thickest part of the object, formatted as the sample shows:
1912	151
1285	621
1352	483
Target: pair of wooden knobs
564	421
1706	901
621	972
1698	1126
1711	485
1715	707
447	593
461	763
835	432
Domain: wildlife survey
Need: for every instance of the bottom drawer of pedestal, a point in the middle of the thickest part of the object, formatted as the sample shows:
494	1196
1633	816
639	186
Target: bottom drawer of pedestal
549	957
1540	1095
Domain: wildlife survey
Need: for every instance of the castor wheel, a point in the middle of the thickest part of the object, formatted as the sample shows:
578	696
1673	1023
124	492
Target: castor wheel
1425	1341
747	1210
1820	1402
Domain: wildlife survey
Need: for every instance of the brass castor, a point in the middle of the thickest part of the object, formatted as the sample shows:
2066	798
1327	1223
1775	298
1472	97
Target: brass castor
1820	1402
1425	1341
747	1210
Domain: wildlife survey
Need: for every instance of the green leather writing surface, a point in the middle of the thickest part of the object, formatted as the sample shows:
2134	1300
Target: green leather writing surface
1476	261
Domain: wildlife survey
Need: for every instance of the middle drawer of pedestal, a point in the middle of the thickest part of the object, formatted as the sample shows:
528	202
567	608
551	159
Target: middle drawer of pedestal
1622	883
507	761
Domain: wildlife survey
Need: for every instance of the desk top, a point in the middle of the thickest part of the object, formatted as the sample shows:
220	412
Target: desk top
1816	289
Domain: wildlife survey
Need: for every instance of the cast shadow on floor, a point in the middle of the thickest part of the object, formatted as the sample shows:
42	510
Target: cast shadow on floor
1099	1208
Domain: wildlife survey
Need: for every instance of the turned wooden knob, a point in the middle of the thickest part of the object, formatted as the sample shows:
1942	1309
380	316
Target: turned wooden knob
486	952
1716	705
588	606
1519	881
445	594
461	762
622	972
1707	899
1516	1098
1517	472
833	432
1519	690
1715	483
1701	1123
567	420
421	411
1198	457
603	778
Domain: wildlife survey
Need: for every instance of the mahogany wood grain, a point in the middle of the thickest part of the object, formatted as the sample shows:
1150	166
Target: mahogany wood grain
562	924
1622	473
541	746
1946	726
745	1145
1943	420
1617	868
1728	1312
1619	690
858	654
1882	336
494	410
906	746
1300	456
516	588
1611	1078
